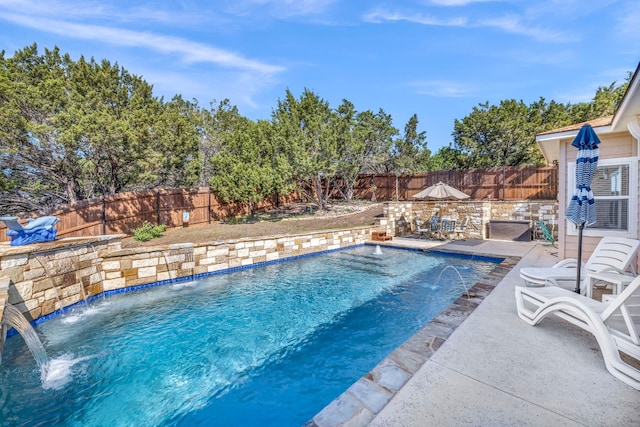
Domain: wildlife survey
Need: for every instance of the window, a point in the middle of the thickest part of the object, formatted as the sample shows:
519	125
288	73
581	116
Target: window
614	187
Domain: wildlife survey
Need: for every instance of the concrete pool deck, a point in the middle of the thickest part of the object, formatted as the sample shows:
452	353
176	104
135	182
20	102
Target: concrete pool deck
496	370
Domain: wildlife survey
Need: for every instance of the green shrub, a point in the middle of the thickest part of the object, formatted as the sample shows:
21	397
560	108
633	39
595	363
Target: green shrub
148	231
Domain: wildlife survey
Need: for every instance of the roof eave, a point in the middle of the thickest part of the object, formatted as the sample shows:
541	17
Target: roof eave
550	143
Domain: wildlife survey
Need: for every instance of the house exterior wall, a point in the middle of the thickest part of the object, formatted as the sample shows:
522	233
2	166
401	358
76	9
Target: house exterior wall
612	146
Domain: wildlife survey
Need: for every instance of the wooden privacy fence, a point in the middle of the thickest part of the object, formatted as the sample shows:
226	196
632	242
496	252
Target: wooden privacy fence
508	183
124	212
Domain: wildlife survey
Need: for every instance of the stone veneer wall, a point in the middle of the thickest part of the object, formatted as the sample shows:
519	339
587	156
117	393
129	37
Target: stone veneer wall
132	267
44	278
41	280
399	216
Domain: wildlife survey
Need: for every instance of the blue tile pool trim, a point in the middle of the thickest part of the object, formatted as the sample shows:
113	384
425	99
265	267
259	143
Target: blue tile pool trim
136	288
487	258
474	257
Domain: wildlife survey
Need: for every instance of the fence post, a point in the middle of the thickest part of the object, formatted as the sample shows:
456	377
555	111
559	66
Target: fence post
209	206
157	208
396	188
504	188
104	217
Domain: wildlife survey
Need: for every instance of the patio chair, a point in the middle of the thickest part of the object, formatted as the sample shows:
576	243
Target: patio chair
423	228
611	254
435	225
448	228
461	228
546	233
614	323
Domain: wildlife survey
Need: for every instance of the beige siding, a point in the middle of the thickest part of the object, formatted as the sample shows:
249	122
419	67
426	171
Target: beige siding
612	146
562	197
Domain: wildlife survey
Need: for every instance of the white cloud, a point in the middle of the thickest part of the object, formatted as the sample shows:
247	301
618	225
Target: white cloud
100	11
281	8
243	89
380	16
189	51
441	88
512	24
628	27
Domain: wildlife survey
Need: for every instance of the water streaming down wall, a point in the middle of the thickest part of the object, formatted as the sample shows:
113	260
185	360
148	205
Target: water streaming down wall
71	274
179	262
45	259
96	278
13	318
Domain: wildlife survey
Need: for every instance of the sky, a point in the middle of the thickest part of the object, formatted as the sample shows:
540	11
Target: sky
437	59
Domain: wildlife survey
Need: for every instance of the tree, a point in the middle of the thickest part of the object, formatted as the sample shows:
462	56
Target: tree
214	126
448	158
364	139
350	150
242	169
501	135
71	130
175	160
604	103
410	153
377	132
304	129
40	169
113	118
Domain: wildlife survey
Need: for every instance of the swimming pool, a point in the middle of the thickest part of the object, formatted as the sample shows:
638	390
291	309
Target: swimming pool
263	346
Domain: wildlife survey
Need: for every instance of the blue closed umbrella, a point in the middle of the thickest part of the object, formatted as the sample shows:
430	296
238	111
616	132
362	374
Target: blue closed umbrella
582	210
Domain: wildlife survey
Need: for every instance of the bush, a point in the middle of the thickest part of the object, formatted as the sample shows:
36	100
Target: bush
148	231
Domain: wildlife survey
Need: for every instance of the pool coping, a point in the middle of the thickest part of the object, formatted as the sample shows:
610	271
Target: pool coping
364	399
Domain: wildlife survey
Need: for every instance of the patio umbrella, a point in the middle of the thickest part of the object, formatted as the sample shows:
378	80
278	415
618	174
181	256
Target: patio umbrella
581	210
441	191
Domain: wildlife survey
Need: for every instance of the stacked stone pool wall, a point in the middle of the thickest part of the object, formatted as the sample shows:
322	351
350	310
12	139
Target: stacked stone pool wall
43	280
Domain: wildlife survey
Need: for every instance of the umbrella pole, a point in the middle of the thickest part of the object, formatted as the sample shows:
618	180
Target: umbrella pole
580	227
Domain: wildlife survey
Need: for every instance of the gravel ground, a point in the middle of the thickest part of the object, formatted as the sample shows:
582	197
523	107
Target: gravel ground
289	220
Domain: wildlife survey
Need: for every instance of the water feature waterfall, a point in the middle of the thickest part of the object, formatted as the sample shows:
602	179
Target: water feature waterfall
13	318
85	276
45	267
98	264
180	262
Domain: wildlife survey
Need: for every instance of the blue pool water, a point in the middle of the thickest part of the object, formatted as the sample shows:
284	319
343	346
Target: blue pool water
265	346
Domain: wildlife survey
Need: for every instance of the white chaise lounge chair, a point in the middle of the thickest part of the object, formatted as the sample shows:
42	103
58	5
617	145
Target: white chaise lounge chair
615	324
611	254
